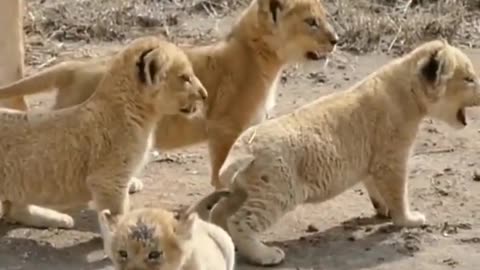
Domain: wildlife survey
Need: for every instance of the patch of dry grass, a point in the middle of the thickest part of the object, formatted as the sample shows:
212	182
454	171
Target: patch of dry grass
106	20
363	25
396	26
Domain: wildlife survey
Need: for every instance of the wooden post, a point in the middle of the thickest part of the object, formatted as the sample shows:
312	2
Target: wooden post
12	52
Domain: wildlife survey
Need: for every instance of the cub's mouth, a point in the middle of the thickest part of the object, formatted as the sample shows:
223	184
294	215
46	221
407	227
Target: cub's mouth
315	55
461	116
189	109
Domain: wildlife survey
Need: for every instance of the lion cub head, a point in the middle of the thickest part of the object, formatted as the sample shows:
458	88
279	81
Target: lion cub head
297	29
147	239
153	238
168	65
448	81
157	73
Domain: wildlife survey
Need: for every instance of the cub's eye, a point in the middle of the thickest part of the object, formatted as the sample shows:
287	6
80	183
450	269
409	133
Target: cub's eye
469	79
312	22
123	254
154	255
186	78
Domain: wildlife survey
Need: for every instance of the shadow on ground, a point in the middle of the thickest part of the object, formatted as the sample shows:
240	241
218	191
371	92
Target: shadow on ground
17	251
356	244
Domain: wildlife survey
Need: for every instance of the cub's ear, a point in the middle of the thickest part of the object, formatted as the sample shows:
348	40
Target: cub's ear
152	66
435	69
271	7
437	65
186	226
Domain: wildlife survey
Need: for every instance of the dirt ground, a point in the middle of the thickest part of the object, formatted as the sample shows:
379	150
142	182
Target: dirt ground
340	234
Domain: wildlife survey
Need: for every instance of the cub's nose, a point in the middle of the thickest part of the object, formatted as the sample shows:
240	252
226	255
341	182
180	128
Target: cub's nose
334	41
203	93
332	35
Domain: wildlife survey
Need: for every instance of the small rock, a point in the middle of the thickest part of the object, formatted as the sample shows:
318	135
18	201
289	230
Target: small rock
432	130
448	229
317	77
311	228
474	240
427	228
351	238
450	262
476	177
465	226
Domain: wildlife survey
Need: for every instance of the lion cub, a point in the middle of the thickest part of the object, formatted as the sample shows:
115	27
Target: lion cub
240	72
153	238
66	158
321	149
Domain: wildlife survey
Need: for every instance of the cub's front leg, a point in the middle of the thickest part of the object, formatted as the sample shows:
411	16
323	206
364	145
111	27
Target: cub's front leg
220	139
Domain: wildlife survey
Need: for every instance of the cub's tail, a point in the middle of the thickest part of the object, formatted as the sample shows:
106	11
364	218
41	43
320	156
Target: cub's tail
58	76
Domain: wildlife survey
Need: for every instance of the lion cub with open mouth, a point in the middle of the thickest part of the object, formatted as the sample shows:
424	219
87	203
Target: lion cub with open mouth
153	238
89	152
364	134
241	72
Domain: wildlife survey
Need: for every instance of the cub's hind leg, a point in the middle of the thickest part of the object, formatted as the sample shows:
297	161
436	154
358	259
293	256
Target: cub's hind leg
376	199
35	216
110	193
391	182
244	225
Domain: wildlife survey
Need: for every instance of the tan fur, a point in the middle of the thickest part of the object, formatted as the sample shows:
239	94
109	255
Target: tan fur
363	134
90	151
184	243
11	49
240	73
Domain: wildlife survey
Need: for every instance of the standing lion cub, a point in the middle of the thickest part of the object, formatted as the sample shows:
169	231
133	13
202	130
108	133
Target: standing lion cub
363	134
66	158
240	72
152	238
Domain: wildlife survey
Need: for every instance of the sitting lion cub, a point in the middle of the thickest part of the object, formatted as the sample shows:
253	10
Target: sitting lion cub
321	149
152	238
67	158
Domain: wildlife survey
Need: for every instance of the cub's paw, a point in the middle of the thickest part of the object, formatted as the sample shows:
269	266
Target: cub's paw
135	185
65	222
51	220
155	156
412	219
382	212
268	256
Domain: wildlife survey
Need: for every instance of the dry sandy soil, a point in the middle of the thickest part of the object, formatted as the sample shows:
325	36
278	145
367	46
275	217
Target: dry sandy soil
340	234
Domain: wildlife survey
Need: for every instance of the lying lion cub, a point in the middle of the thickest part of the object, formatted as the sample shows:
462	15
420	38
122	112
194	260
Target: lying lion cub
152	238
240	73
68	157
321	149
